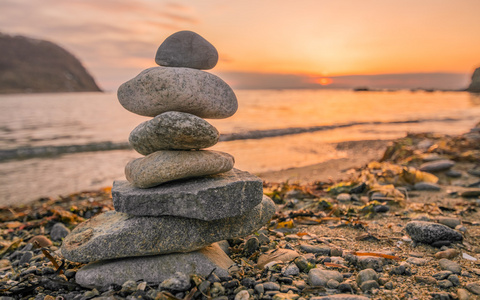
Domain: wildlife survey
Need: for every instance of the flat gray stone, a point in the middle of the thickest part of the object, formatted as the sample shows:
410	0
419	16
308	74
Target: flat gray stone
436	166
154	269
167	165
173	130
159	89
116	235
207	198
429	232
187	49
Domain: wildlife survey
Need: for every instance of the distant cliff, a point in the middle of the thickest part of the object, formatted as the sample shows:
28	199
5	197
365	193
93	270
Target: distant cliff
35	66
475	84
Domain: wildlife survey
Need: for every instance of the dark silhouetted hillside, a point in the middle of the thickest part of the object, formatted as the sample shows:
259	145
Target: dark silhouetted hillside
475	84
36	66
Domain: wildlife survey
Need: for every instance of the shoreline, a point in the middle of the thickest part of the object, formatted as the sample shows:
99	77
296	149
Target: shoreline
358	154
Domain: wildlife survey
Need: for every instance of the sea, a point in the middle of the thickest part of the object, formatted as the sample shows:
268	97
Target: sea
56	144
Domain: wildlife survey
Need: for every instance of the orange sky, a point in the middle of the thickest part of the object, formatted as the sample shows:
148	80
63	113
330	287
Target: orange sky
116	39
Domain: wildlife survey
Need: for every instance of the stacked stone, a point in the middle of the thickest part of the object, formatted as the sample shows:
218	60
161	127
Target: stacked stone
179	200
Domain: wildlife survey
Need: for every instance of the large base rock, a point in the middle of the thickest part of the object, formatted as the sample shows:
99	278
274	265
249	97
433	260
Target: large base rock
116	235
154	269
207	198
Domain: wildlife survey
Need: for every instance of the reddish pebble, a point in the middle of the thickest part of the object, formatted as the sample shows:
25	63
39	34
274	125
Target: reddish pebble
449	253
42	240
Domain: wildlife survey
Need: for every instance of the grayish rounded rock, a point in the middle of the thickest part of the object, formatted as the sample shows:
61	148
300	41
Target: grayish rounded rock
366	275
173	130
450	265
187	49
116	235
426	186
436	166
154	269
167	165
448	221
429	232
158	90
59	231
206	198
179	282
319	277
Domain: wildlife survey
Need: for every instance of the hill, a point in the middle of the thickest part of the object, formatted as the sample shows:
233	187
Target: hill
36	66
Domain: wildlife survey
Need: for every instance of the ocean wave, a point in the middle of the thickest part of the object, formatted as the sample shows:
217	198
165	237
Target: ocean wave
53	151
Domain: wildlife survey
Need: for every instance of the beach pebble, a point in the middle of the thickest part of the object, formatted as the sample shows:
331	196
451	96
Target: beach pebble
366	275
425	279
453	174
340	297
319	277
473	287
426	186
436	166
316	249
442	275
418	261
344	197
173	130
242	295
42	240
158	90
290	270
449	253
59	231
179	282
370	262
429	232
163	166
160	268
450	222
116	235
187	49
463	294
207	198
472	193
369	285
450	265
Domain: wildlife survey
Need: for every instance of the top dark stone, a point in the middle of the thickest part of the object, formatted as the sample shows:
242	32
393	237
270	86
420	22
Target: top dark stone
187	49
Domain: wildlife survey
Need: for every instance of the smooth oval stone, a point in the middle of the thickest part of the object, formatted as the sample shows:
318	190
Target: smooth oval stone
116	235
436	166
158	90
167	165
187	49
429	232
173	130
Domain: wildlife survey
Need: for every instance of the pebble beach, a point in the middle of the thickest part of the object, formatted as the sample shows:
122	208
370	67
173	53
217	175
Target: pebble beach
403	226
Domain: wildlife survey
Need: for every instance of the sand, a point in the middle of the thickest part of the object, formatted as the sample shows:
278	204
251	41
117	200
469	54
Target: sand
358	154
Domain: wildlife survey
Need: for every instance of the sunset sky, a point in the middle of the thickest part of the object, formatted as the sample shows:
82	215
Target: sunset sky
268	43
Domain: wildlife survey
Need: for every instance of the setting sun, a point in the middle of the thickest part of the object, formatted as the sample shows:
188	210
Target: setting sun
324	81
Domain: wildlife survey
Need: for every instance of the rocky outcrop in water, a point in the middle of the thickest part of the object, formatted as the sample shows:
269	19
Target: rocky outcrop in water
475	84
36	66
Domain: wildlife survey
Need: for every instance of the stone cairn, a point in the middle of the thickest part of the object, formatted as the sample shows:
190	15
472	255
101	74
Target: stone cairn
178	200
